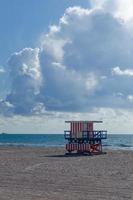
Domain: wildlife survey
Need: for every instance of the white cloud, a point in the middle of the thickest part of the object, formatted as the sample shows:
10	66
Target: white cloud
39	109
72	69
125	9
25	75
2	71
130	98
6	107
97	3
91	82
25	63
125	72
53	43
90	52
115	121
119	8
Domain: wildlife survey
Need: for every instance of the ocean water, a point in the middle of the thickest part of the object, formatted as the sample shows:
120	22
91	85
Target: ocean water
114	141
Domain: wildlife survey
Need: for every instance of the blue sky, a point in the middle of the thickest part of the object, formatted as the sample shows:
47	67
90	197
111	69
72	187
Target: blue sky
22	22
63	60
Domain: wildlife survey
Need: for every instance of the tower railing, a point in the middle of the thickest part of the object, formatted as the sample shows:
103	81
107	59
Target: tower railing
95	134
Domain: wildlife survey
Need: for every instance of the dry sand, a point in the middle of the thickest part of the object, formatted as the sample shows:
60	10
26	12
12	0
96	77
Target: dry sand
44	173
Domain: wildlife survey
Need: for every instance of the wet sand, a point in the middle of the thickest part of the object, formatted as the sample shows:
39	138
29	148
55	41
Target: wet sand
47	174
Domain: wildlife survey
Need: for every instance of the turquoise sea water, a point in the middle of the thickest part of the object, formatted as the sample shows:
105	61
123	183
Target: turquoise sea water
114	141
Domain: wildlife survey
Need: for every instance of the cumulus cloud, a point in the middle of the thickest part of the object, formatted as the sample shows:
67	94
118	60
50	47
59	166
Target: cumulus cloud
65	89
101	42
119	8
26	80
125	72
73	69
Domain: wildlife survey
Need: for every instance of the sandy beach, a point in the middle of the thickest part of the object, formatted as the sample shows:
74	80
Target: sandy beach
46	173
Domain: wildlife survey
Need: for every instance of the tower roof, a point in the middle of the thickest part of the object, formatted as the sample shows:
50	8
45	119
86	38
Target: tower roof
84	121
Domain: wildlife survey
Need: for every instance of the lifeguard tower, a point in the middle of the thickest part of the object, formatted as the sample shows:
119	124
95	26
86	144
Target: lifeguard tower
82	138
